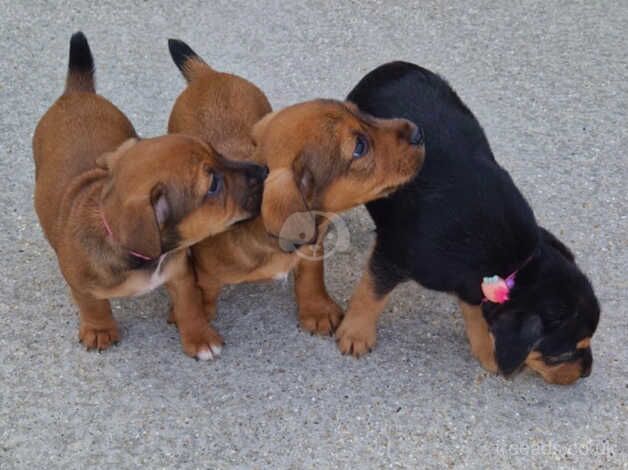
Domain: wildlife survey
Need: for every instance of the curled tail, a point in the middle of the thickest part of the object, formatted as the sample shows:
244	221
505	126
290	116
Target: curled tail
81	66
186	59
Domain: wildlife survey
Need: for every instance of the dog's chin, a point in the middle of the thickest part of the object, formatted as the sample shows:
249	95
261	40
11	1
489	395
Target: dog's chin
241	222
235	222
242	218
388	191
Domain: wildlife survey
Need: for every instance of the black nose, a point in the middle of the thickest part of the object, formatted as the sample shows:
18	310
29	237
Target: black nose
256	174
416	136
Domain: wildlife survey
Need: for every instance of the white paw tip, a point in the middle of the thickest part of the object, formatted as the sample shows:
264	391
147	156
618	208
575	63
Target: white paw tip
282	277
205	355
216	350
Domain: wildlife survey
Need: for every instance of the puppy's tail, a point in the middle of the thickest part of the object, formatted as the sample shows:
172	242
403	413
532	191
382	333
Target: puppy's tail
186	59
81	66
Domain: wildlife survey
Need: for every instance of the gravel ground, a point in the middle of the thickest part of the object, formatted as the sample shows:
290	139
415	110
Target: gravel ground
548	80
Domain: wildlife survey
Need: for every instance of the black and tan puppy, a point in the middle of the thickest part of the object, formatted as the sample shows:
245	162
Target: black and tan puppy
120	212
322	155
463	227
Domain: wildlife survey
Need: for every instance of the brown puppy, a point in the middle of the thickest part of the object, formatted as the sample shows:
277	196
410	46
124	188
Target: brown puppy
120	212
219	108
322	155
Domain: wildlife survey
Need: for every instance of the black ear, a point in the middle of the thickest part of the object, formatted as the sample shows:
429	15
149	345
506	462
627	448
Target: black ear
551	240
515	335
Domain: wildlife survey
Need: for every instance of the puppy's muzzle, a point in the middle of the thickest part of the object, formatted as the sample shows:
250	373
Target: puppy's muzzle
416	136
255	176
410	133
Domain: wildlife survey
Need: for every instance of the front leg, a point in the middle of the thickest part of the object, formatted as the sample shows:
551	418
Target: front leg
480	338
97	327
318	313
210	289
357	332
198	338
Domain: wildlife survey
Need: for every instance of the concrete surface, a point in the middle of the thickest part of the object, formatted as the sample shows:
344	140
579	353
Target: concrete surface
548	80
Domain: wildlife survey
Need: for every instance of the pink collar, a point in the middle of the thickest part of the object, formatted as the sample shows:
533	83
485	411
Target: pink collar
496	289
110	234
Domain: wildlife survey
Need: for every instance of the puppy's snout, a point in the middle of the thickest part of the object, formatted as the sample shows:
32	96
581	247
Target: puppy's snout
416	137
255	175
265	172
411	133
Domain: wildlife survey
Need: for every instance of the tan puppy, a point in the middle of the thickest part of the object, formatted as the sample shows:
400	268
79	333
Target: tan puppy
219	108
120	212
322	155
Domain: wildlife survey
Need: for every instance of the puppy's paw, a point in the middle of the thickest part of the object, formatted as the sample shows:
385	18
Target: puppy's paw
204	344
487	360
320	317
355	337
98	337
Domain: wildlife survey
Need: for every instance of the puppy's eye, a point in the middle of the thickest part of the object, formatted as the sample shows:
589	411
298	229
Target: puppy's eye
215	186
361	146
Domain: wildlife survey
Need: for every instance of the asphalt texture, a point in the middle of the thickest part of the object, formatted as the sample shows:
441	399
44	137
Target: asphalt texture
548	81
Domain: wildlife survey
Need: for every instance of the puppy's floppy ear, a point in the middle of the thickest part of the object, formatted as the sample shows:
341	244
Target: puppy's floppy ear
285	212
136	222
551	240
260	127
108	160
515	334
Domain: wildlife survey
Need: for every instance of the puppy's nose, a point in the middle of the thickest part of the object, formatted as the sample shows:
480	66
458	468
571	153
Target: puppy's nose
416	136
256	174
265	172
